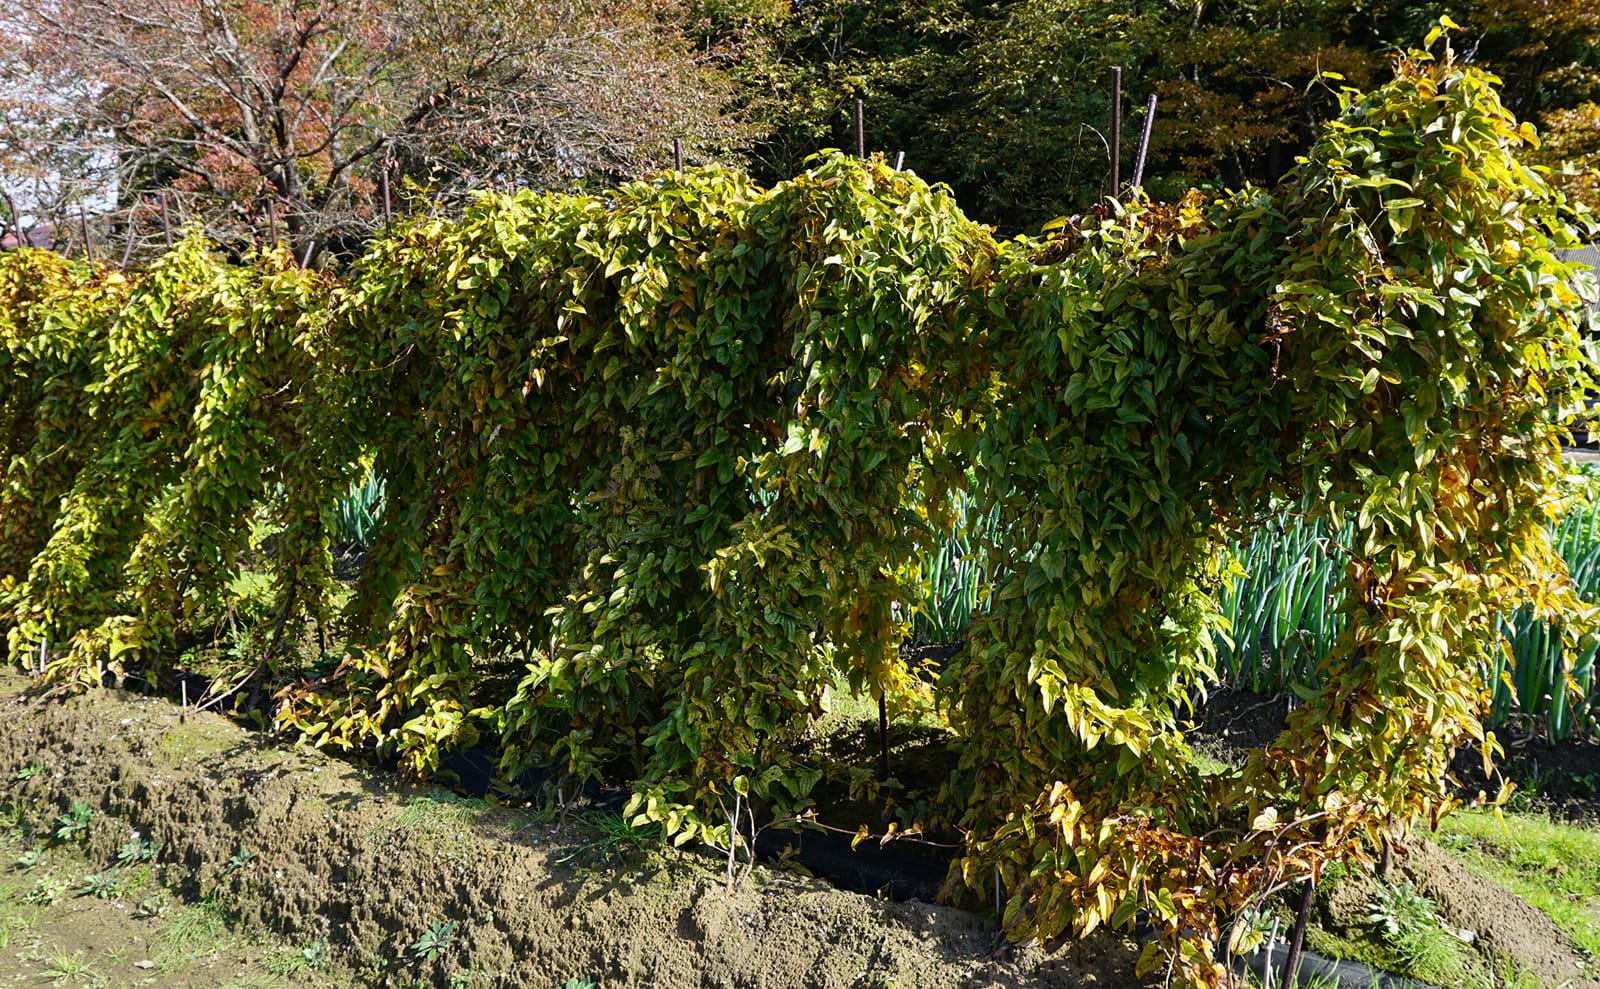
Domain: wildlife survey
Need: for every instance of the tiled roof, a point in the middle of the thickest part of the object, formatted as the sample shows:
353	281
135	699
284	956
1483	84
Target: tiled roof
1590	256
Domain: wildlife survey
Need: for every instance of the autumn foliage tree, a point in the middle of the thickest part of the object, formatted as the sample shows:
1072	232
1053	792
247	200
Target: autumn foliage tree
1548	53
1009	103
295	116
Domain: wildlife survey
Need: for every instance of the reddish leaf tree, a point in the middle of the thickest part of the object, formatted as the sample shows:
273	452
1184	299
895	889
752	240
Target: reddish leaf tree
256	116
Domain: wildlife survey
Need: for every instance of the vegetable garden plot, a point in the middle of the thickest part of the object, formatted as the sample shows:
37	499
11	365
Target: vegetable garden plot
657	468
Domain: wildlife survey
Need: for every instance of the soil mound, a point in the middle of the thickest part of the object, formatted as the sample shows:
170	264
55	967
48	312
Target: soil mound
1507	927
312	848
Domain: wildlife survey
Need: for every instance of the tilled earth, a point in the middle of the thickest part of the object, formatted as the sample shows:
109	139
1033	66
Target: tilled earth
248	865
279	867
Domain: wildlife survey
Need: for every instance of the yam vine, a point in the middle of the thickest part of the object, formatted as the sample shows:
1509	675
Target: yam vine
658	465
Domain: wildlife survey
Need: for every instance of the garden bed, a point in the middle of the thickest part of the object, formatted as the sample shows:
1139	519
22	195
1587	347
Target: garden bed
280	868
301	853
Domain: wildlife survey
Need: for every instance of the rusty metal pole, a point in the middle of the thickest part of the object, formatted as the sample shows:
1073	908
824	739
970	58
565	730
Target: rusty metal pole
677	154
883	735
883	698
1116	131
388	210
1297	937
83	228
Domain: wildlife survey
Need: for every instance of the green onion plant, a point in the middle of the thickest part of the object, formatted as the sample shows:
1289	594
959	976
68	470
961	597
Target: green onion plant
1283	613
955	577
356	515
1283	616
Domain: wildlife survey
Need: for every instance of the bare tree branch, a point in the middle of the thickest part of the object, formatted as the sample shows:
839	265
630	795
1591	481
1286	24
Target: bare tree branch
234	105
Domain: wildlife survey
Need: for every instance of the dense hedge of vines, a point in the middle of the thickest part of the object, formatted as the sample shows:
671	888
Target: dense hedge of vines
659	465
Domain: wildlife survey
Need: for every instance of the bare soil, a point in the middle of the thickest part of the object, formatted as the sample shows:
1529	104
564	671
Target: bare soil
283	868
296	848
1502	924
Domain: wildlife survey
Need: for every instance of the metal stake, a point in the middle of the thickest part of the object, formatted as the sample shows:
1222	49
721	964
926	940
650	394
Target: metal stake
899	160
677	154
388	210
83	227
166	218
1297	937
1144	141
1116	131
861	132
883	736
1266	969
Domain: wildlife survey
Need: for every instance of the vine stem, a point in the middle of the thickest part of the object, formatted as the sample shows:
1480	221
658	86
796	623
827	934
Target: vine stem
1297	938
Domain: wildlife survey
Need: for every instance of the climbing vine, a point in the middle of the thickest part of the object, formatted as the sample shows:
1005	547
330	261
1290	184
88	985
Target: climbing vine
659	465
168	410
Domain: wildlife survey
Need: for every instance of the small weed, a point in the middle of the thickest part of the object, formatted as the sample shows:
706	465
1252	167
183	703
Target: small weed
312	957
28	860
436	941
76	967
615	836
1397	907
74	824
46	891
15	824
1453	842
28	772
240	859
137	849
194	932
137	878
105	885
1506	975
577	983
285	961
16	924
1411	927
437	810
315	954
153	907
20	922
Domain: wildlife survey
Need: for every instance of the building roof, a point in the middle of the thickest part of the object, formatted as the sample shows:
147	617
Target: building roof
42	235
1588	287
